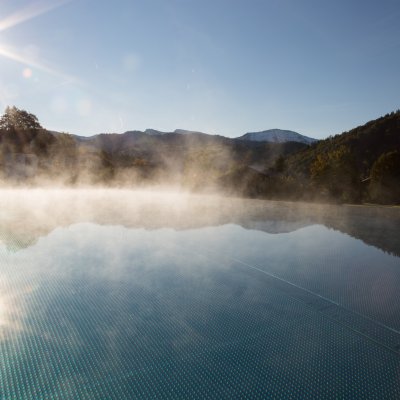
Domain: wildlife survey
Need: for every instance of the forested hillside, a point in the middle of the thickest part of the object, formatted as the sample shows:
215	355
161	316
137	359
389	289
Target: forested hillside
356	166
362	165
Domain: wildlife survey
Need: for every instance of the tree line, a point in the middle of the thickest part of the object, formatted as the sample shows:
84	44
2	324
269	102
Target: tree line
362	165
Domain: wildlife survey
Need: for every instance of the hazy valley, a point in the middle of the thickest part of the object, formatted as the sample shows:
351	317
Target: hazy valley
362	165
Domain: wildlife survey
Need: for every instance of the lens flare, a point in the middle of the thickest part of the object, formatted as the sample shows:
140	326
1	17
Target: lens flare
27	73
25	14
15	56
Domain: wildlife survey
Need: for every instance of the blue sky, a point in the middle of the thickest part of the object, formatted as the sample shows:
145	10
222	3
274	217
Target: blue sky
318	67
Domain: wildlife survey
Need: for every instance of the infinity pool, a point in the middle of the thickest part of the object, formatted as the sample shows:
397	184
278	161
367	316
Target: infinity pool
118	295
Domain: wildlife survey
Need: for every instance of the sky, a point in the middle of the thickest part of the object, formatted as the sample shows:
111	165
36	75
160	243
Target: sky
318	67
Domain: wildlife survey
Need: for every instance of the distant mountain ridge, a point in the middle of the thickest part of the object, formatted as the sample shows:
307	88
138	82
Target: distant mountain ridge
270	135
361	165
277	136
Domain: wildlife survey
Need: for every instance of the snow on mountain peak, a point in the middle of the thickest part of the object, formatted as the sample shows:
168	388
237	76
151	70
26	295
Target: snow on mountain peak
186	132
153	132
277	136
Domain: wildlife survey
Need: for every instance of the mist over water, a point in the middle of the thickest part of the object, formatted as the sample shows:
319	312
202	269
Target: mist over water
207	263
29	213
114	293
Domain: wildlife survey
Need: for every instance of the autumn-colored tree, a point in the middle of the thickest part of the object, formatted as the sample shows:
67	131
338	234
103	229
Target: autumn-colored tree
385	178
335	174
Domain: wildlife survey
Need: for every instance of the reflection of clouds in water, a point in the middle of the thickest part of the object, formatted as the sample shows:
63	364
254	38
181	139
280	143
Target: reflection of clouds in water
113	305
148	270
3	312
127	288
87	252
46	209
323	261
12	304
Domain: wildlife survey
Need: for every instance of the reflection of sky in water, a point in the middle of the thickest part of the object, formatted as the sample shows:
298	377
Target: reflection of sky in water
97	312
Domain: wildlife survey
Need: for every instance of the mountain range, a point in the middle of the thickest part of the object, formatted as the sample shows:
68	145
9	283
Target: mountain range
361	165
108	141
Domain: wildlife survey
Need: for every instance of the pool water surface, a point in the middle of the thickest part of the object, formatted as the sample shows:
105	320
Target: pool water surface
252	308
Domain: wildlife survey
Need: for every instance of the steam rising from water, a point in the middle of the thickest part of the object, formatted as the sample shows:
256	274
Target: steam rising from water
27	214
120	283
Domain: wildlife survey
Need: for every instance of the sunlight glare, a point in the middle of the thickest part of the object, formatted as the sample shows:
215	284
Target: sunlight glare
31	11
15	56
